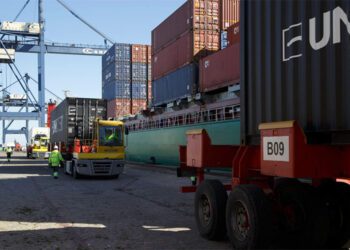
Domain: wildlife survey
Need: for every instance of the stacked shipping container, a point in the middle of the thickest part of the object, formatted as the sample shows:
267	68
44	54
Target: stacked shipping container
126	74
192	32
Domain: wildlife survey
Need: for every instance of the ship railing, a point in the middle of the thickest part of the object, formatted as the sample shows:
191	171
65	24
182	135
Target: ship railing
210	115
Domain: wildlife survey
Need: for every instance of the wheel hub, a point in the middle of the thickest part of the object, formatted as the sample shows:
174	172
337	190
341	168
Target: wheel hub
205	209
240	221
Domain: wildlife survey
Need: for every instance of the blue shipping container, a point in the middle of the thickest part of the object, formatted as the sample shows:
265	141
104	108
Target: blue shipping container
176	85
139	71
118	52
138	90
116	71
116	89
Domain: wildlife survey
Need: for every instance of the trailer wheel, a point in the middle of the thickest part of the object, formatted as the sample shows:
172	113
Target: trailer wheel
210	202
337	196
304	221
249	218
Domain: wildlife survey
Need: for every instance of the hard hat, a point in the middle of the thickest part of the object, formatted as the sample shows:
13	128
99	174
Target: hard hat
55	147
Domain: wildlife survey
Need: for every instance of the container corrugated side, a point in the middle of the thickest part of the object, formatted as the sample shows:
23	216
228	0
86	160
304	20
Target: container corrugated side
220	69
139	53
293	70
138	105
188	48
138	90
74	117
118	70
229	13
193	14
139	71
233	35
118	107
179	84
116	89
118	52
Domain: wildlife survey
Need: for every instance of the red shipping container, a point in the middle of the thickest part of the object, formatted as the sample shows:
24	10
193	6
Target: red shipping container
149	92
220	69
139	53
138	105
118	107
194	14
189	47
229	13
233	35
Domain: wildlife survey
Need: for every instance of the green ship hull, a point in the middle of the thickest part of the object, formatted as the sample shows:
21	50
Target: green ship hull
161	146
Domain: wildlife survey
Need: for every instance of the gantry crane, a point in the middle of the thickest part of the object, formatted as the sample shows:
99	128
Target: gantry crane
27	42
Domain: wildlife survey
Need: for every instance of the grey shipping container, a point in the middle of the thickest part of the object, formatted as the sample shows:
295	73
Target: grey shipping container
176	85
74	117
295	66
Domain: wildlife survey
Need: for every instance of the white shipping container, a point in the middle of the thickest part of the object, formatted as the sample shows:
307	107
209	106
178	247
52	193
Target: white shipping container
32	28
6	57
18	97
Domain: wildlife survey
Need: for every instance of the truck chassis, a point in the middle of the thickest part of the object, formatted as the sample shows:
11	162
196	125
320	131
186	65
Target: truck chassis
283	193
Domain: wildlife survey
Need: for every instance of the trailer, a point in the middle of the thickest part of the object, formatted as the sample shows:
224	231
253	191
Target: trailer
290	172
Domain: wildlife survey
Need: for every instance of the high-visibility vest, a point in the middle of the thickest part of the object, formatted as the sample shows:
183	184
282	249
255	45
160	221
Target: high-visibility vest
55	158
9	150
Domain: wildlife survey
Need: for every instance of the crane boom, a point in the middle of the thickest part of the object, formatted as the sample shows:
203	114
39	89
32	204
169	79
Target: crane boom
85	22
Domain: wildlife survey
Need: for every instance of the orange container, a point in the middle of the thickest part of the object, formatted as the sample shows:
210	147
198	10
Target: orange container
229	13
139	53
118	107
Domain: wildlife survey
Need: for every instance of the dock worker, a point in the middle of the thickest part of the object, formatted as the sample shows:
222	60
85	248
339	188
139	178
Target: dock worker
55	160
110	136
8	153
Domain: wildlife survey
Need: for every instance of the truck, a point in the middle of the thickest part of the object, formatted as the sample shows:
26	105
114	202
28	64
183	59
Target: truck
39	142
290	173
90	144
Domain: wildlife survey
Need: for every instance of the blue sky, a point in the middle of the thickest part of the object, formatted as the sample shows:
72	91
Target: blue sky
127	21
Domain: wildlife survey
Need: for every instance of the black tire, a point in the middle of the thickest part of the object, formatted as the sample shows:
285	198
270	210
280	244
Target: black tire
210	203
304	222
249	218
337	197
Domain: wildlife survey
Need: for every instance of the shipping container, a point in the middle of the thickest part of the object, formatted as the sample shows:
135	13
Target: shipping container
74	118
149	94
295	66
116	89
229	13
138	105
118	52
138	90
233	35
116	71
220	69
193	14
139	53
118	107
179	84
139	71
188	48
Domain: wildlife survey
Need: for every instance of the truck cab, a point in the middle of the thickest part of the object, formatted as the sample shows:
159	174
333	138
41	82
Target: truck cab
39	146
102	155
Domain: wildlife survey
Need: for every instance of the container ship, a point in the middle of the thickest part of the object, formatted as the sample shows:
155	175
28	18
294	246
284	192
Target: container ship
187	79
